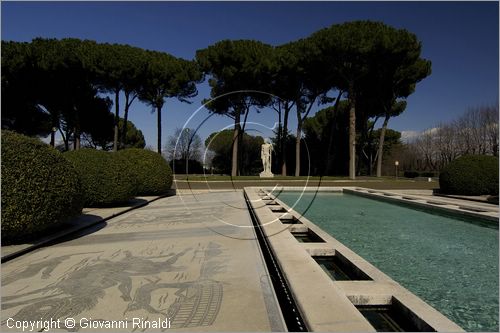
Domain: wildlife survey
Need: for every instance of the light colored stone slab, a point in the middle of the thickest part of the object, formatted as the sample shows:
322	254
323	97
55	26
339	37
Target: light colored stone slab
193	260
329	305
323	306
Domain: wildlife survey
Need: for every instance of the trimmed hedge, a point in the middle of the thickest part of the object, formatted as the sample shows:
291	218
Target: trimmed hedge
106	178
40	188
470	175
411	174
179	166
427	174
415	174
153	174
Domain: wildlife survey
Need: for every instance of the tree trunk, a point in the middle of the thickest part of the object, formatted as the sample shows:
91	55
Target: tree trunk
76	136
352	137
128	103
158	113
329	159
300	121
53	139
240	165
280	145
297	147
65	139
236	134
298	107
77	141
117	118
241	146
125	118
370	164
284	140
381	146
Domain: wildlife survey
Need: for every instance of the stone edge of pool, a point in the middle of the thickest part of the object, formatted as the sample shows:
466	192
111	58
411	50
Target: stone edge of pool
328	305
472	209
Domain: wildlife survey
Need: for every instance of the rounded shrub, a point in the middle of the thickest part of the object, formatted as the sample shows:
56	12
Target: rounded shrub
470	175
106	178
152	172
40	188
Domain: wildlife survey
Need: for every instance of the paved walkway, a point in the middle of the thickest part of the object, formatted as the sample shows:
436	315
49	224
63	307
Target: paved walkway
190	259
89	217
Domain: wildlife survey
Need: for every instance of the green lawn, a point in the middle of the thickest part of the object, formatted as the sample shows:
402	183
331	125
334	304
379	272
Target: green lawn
288	178
228	182
229	178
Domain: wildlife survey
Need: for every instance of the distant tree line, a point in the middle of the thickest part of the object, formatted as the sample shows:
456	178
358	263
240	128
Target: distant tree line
184	151
53	85
361	71
369	66
473	133
326	126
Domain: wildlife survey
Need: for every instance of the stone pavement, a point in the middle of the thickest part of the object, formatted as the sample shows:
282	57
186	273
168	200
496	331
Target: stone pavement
190	259
89	217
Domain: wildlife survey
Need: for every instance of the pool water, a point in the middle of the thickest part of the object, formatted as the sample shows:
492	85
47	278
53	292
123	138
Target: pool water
450	263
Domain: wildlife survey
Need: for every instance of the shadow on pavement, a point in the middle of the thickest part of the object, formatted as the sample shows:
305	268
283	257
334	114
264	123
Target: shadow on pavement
82	225
125	204
93	226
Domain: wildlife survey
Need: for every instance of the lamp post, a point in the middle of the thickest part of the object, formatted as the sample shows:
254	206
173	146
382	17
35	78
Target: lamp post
396	165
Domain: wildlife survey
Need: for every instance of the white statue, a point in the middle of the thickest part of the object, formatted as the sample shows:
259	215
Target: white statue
265	155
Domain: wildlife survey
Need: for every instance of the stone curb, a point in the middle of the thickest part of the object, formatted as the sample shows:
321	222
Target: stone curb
76	228
463	197
301	272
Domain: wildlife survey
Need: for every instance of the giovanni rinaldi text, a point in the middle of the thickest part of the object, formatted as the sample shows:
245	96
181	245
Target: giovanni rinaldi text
68	323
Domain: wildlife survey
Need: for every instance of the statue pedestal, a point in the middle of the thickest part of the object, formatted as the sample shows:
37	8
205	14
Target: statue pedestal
265	174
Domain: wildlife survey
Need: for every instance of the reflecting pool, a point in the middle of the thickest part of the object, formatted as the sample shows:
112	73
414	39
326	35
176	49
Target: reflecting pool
451	263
